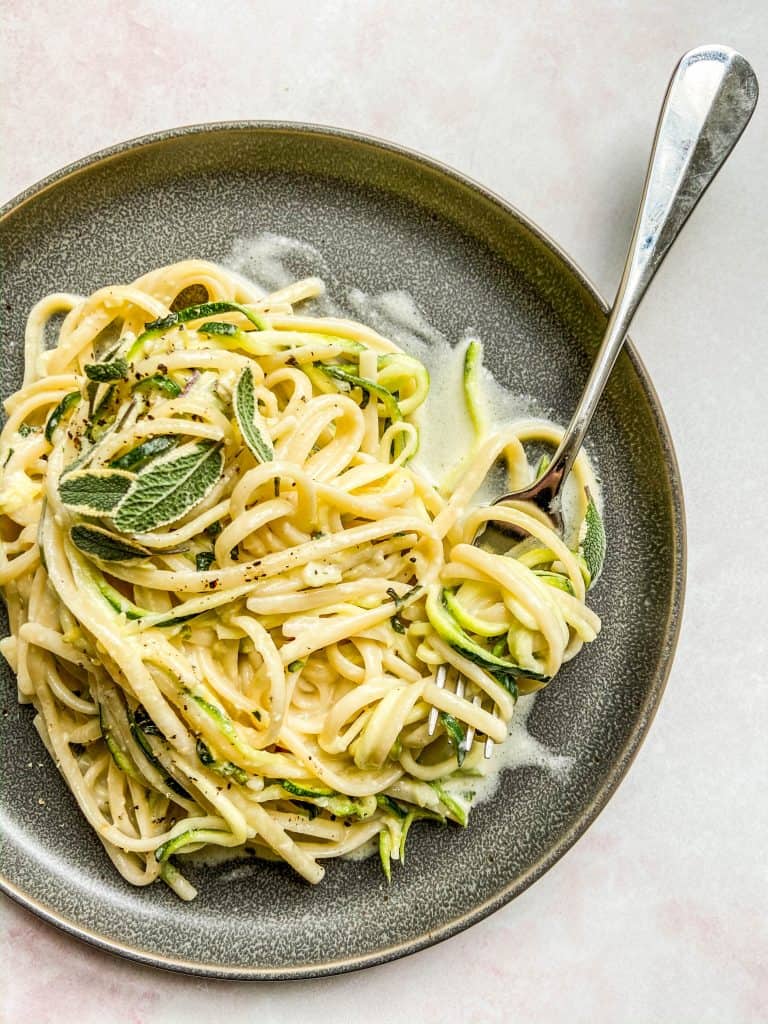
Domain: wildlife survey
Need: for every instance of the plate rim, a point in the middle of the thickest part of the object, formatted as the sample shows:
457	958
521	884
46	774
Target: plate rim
646	713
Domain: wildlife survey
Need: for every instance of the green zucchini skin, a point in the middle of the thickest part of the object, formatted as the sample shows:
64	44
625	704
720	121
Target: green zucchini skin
65	406
183	316
503	670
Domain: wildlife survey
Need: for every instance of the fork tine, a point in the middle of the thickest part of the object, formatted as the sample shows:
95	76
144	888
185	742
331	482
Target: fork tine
440	677
460	684
469	739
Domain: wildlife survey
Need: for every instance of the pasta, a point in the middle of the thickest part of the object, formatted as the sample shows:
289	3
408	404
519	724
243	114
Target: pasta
233	600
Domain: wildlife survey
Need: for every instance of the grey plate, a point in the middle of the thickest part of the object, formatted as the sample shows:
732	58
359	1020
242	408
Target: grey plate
384	218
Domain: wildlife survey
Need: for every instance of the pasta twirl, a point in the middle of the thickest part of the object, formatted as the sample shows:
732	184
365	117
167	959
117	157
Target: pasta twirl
230	592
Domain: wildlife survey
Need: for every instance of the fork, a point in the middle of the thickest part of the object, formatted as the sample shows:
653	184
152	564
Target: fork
465	746
708	104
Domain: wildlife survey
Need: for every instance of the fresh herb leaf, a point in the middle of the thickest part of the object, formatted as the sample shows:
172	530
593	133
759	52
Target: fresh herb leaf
103	372
101	544
136	457
25	430
204	560
65	406
170	487
91	390
102	415
594	544
396	622
249	421
94	492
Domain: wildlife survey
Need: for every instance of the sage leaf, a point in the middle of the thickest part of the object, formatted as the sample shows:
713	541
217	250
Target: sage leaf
104	415
249	421
94	492
204	560
170	487
103	372
106	546
136	457
91	390
594	543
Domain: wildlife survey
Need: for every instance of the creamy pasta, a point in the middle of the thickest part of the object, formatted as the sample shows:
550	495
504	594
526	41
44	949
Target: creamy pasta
244	620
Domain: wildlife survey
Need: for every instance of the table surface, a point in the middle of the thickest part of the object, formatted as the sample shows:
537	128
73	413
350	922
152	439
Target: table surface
659	912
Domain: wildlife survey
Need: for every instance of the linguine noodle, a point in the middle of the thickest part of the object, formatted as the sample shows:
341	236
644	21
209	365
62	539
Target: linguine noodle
230	593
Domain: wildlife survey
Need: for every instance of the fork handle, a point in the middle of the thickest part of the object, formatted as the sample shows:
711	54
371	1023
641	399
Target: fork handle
708	105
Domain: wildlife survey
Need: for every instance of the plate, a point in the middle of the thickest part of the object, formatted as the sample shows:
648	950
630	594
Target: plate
383	218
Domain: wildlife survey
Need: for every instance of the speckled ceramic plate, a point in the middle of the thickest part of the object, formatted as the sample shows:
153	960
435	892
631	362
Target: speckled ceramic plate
384	218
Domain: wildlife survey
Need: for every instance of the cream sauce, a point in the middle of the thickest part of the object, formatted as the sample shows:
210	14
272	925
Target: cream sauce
273	261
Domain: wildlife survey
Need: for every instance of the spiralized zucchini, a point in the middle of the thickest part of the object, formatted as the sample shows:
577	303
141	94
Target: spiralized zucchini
230	592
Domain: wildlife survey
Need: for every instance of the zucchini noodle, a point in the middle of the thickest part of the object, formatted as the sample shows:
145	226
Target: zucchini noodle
233	600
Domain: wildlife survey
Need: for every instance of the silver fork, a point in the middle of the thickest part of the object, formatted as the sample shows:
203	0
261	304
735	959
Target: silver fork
708	104
441	677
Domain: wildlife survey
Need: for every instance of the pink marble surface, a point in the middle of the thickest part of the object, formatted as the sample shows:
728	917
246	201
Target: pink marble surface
659	913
